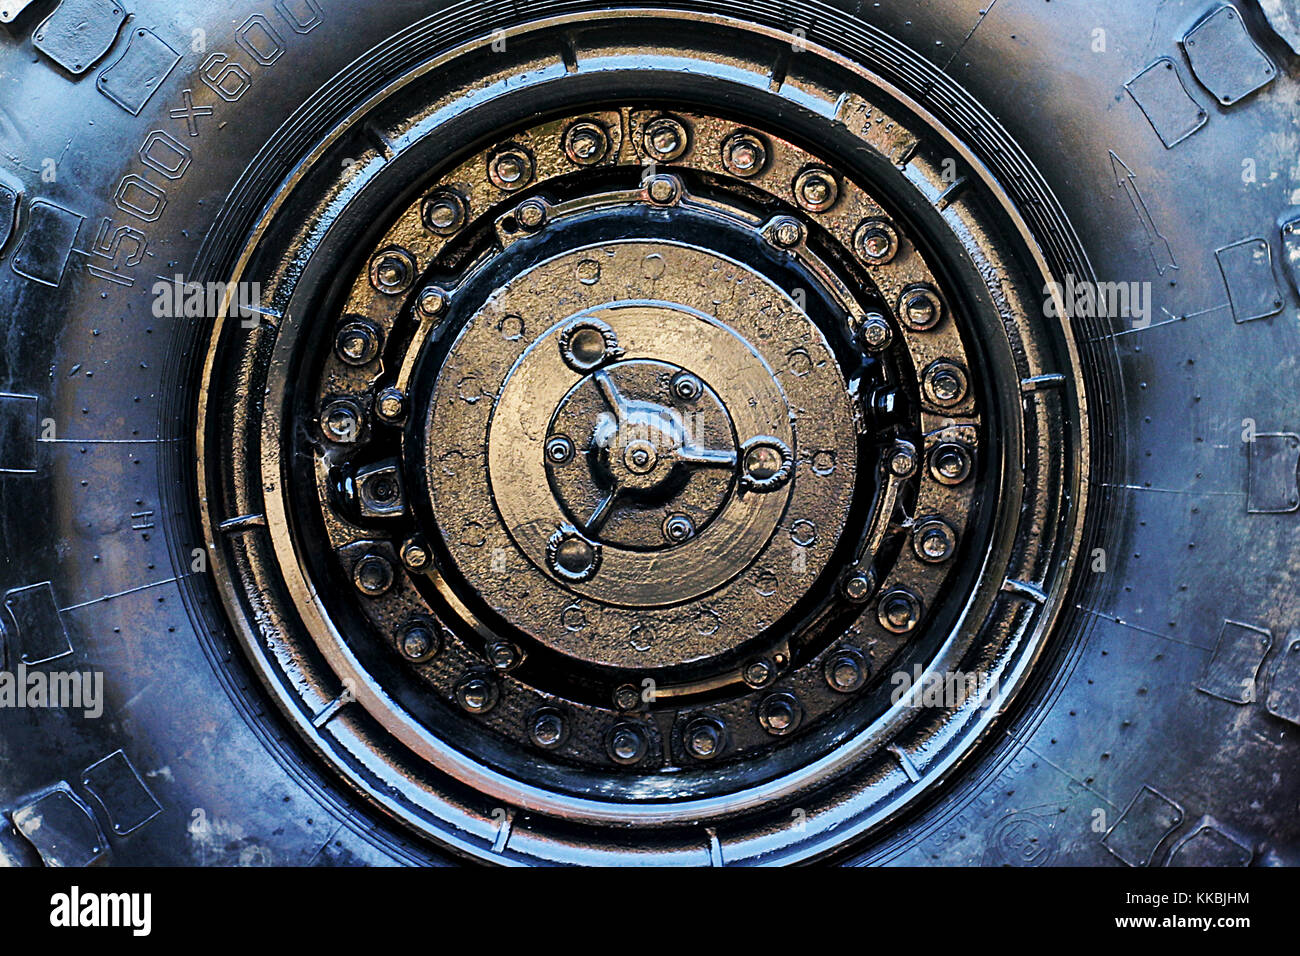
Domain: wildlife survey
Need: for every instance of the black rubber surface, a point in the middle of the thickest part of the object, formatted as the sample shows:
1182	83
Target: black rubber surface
1162	731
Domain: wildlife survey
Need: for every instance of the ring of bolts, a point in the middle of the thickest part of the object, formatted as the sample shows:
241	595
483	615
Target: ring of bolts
766	463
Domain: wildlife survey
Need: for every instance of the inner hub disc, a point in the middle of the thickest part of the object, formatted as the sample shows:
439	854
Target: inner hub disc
624	448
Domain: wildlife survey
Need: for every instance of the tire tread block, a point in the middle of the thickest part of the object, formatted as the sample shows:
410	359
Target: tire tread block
1225	59
1233	669
136	75
1170	109
79	32
1247	268
61	827
116	784
38	633
1145	822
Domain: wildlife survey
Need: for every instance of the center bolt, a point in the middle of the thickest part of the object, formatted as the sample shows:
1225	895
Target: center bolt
559	449
678	528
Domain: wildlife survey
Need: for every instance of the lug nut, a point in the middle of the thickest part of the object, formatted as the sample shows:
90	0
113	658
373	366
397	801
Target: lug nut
950	463
758	673
846	671
919	307
586	142
627	744
779	714
704	738
786	232
432	301
549	729
372	574
477	694
664	139
687	387
357	342
627	697
944	383
390	404
815	189
875	241
340	421
875	333
663	190
415	554
899	610
559	449
445	212
531	213
678	528
392	271
901	460
510	169
503	655
859	586
419	642
571	556
744	155
933	540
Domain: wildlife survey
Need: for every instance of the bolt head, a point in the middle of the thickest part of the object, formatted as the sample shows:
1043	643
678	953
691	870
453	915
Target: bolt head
477	694
944	383
357	342
845	671
665	138
627	697
902	460
787	232
703	738
934	540
920	308
585	143
415	555
392	271
419	642
390	404
899	611
571	556
531	213
510	169
444	212
875	333
859	586
686	387
372	574
779	714
744	155
662	189
816	189
762	462
548	729
876	241
950	464
678	528
340	421
627	744
559	449
503	655
758	673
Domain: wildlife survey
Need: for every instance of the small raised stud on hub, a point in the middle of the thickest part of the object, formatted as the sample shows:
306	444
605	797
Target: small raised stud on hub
744	154
548	728
779	714
845	670
477	694
875	242
950	463
357	341
933	540
627	744
419	642
899	610
665	139
766	463
510	169
444	212
815	189
372	574
704	738
586	142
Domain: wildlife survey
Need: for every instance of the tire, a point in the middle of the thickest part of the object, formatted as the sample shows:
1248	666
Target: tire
1152	722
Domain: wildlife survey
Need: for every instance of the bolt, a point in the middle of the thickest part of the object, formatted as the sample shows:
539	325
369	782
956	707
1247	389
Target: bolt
340	420
950	463
664	138
531	213
779	714
678	528
920	309
744	155
875	333
703	738
390	404
445	212
572	556
432	301
815	189
419	641
758	673
415	554
510	169
687	387
586	344
503	655
559	449
902	460
899	610
875	241
548	730
933	540
357	342
627	744
786	232
586	143
857	587
640	456
627	697
845	671
372	574
944	383
662	190
477	694
392	271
